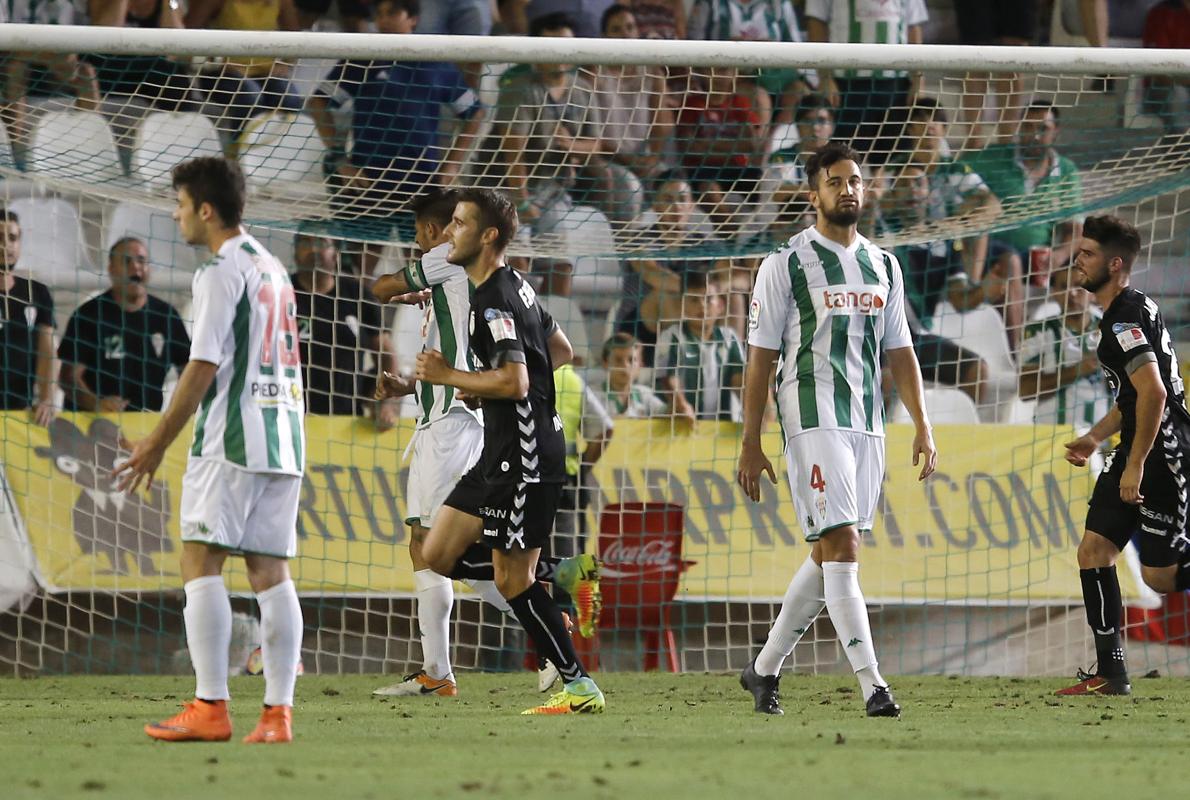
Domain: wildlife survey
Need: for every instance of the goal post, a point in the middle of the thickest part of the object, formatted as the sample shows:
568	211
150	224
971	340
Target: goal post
644	172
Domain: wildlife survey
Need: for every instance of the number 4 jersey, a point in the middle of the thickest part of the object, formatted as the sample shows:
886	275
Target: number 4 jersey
245	322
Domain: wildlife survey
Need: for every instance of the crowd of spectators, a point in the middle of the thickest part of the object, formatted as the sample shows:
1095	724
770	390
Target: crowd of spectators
672	157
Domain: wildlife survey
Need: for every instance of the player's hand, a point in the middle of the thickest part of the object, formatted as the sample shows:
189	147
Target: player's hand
140	467
44	412
1078	451
431	367
1089	365
1130	483
471	401
753	461
112	403
387	412
390	385
925	453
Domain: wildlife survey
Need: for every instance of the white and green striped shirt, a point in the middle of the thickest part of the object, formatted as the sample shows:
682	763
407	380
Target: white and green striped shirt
709	371
245	322
869	22
747	20
829	310
443	328
1051	345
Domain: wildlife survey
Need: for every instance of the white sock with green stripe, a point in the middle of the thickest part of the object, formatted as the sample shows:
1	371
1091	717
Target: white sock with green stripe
849	614
208	635
435	599
804	600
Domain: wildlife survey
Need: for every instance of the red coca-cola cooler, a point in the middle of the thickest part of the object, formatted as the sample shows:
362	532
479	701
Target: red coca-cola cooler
640	545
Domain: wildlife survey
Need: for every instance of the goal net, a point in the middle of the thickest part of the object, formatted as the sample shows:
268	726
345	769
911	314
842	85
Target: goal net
651	178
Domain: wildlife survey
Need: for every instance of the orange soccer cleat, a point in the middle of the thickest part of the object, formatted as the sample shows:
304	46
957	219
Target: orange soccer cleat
200	721
275	726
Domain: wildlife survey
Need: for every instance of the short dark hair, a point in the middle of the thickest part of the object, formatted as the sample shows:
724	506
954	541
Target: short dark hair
123	240
1115	236
495	211
618	341
551	22
410	7
7	216
613	10
214	180
812	103
826	157
698	279
435	206
927	109
1044	105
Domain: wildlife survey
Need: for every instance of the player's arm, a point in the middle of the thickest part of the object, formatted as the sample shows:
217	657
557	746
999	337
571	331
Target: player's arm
508	381
561	351
753	461
1079	450
1034	384
1150	405
148	453
906	373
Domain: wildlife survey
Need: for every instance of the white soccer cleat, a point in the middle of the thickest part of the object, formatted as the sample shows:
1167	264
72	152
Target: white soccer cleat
547	675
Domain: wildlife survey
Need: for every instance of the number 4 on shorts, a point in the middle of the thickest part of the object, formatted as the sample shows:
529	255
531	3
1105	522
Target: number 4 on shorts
816	481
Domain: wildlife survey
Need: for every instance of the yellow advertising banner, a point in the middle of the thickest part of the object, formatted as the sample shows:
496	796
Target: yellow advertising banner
999	522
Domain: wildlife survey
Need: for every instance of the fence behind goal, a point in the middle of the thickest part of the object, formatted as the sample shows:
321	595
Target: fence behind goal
630	180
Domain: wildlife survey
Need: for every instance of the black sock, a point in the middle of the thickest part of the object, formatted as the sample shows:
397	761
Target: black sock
1101	596
545	568
475	564
541	619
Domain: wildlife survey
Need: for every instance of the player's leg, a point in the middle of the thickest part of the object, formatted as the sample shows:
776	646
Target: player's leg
270	540
847	482
210	525
1110	524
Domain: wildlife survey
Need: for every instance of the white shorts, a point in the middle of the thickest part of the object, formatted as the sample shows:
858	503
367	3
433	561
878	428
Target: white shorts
442	453
245	512
835	478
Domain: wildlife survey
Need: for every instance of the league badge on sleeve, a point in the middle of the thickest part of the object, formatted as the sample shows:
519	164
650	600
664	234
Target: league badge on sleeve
1129	336
501	324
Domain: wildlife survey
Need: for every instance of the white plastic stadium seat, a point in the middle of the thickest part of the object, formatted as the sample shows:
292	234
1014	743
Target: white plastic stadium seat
52	246
173	261
164	140
597	276
944	406
77	146
570	318
982	331
281	148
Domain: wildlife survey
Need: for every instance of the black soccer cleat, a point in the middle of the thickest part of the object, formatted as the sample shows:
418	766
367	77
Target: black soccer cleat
764	689
881	703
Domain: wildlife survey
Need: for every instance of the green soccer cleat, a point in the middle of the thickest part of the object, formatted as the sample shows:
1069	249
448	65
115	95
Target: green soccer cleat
577	697
578	576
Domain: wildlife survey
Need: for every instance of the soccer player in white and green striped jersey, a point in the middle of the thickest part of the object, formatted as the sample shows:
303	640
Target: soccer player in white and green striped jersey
823	308
244	473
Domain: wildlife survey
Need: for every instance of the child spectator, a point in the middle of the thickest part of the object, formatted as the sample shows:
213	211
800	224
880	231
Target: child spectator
624	395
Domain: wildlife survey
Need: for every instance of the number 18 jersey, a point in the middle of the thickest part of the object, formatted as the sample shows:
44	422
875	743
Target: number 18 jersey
245	322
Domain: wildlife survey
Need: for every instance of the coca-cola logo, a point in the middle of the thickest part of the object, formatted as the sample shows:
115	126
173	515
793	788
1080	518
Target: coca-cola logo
652	553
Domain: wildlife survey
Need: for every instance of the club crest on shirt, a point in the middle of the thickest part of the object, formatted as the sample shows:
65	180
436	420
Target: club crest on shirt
157	340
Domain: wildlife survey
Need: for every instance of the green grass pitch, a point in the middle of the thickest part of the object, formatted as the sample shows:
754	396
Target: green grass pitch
681	736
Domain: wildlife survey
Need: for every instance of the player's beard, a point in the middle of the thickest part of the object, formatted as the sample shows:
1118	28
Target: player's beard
843	217
463	256
1096	282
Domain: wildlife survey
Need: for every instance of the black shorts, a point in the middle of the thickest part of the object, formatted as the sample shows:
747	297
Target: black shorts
985	22
516	516
1159	522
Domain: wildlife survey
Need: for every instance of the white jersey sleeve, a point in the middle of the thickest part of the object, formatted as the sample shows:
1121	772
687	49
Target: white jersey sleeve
216	293
1037	346
432	269
896	326
768	314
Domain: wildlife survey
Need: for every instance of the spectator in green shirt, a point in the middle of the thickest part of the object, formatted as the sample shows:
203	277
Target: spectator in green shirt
1031	178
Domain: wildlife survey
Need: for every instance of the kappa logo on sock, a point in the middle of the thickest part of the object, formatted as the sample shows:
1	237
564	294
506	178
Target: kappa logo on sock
799	631
854	641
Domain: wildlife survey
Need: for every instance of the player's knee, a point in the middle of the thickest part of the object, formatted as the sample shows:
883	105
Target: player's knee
435	557
1160	579
841	544
511	580
1095	551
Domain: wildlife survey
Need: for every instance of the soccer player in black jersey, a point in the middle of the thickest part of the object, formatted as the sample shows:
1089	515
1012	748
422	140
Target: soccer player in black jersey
509	499
1142	489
